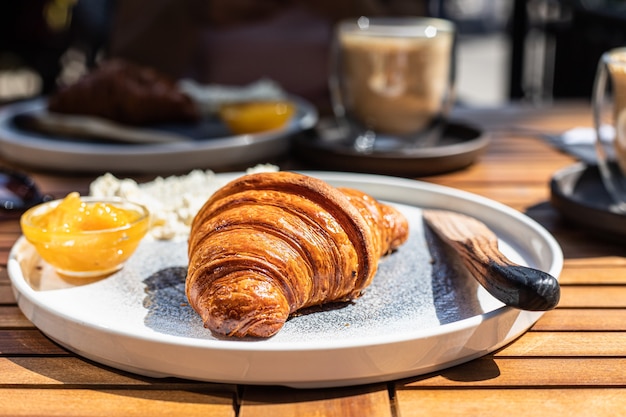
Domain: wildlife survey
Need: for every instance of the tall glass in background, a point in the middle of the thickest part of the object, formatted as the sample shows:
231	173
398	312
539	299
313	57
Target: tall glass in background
609	116
393	79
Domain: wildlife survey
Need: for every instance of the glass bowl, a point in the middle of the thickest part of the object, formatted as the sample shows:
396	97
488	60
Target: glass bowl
86	236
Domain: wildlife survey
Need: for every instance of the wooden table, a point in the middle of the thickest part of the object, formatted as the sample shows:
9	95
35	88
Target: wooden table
571	363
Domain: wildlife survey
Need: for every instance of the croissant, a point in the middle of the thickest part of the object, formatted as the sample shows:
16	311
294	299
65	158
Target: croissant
269	244
127	93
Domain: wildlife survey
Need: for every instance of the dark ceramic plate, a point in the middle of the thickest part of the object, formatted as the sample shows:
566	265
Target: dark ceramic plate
458	147
578	193
209	145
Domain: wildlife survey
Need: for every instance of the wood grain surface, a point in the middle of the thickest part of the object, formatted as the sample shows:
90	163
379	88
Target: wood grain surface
571	363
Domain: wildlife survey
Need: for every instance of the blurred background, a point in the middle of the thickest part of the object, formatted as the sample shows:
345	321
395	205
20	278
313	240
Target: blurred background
524	50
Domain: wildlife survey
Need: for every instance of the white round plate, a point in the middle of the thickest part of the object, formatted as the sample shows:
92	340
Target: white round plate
27	147
418	316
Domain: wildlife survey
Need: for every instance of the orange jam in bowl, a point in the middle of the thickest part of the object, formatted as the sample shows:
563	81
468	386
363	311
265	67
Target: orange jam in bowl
256	116
85	236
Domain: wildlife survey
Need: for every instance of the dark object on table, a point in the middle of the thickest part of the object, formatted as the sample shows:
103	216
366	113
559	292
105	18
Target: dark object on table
126	93
578	193
458	147
18	192
556	45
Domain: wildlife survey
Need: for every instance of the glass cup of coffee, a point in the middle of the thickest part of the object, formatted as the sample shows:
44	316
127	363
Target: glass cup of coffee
392	80
609	117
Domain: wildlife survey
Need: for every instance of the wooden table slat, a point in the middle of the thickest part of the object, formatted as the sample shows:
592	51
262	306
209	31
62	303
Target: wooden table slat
567	344
27	342
583	272
585	296
492	371
112	403
580	320
6	295
577	402
338	402
12	317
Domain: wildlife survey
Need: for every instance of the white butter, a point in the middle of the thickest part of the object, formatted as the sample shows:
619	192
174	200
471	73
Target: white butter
173	201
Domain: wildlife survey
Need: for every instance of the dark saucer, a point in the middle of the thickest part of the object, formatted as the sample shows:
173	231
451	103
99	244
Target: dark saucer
579	195
459	146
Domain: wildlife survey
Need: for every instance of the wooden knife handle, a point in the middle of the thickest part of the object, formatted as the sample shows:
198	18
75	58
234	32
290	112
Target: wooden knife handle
515	285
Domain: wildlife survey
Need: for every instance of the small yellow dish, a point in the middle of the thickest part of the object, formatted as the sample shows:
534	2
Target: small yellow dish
86	236
256	116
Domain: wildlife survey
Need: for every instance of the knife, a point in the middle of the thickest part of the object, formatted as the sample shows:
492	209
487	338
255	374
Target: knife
515	285
81	127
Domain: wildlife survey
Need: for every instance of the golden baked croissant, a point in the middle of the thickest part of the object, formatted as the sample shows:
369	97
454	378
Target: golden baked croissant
268	244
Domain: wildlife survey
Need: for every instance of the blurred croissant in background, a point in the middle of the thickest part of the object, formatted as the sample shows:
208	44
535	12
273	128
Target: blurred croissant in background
127	93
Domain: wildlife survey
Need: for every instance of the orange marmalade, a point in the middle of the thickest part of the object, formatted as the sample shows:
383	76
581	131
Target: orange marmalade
82	236
258	116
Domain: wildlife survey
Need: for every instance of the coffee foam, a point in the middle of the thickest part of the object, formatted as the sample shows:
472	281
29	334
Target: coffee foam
395	85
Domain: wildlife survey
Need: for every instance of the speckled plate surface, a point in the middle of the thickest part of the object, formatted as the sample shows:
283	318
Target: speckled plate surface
418	316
